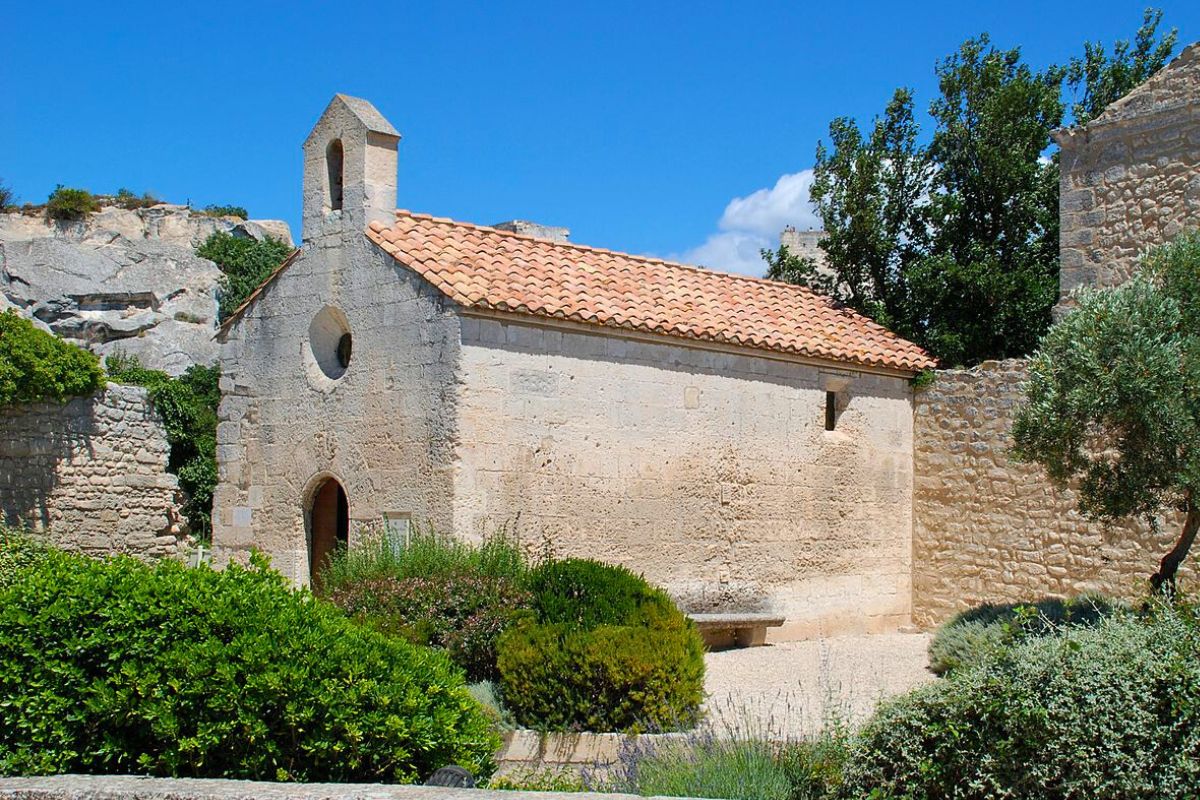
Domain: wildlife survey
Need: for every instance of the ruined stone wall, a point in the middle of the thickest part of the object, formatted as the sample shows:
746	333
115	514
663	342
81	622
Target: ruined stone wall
989	529
91	474
709	471
1131	178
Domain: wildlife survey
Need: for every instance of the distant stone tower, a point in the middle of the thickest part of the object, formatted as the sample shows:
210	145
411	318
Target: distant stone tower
806	245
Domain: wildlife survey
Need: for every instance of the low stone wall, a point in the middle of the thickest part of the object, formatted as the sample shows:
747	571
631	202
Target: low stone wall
91	474
89	787
526	752
988	529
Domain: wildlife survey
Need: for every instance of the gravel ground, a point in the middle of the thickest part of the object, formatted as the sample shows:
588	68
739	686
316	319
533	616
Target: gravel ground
786	690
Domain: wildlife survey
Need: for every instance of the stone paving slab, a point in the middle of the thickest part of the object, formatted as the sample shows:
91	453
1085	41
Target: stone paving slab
120	787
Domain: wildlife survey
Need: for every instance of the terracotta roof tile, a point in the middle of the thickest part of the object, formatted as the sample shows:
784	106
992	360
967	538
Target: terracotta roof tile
479	267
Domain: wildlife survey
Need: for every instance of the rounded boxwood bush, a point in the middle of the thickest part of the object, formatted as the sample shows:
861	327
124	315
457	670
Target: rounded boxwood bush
584	594
1111	711
604	651
119	667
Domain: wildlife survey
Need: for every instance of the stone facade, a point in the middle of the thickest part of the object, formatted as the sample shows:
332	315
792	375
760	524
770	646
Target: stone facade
707	467
709	471
989	529
1131	178
383	428
91	474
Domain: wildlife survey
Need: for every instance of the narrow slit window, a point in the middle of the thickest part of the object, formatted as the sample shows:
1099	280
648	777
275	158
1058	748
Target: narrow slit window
830	410
333	162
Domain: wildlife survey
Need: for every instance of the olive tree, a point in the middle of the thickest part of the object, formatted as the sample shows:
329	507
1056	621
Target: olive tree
1112	404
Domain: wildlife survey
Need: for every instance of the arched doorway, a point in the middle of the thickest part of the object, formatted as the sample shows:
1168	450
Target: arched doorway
328	524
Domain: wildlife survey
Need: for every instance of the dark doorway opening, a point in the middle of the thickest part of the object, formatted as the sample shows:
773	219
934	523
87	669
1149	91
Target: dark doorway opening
329	526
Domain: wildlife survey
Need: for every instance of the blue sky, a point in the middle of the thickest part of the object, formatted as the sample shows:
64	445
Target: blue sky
637	125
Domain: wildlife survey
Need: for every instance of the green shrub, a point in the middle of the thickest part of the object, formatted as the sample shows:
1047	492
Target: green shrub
604	651
129	200
582	593
7	198
116	667
461	613
70	204
609	678
1110	711
35	365
974	635
246	263
17	551
227	211
188	406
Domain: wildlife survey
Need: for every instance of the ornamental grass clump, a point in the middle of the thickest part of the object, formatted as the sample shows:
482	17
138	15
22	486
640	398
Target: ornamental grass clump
602	651
117	667
735	756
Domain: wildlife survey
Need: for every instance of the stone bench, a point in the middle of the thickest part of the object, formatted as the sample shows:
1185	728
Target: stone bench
722	631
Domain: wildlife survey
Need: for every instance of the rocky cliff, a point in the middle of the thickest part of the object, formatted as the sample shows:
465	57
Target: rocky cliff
120	279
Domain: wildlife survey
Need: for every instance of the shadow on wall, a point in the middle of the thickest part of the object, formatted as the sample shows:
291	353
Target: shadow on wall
35	441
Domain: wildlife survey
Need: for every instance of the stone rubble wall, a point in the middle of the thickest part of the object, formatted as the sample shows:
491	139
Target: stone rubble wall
989	529
91	475
1131	178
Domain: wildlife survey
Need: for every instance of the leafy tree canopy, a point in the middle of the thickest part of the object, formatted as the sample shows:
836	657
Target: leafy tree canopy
1111	401
954	243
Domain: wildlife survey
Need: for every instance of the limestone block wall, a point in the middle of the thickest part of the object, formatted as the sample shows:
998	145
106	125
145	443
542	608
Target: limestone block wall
709	471
989	529
382	429
91	474
1131	179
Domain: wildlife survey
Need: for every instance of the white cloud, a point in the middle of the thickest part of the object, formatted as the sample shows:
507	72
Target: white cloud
753	222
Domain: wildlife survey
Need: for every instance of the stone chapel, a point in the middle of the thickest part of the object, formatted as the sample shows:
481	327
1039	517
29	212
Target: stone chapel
739	441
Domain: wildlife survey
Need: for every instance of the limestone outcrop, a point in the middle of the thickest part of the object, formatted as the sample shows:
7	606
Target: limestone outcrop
120	279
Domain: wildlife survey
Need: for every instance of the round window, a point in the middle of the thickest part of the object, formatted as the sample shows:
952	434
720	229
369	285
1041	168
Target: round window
329	345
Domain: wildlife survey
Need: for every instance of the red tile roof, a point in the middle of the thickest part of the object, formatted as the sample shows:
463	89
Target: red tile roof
484	268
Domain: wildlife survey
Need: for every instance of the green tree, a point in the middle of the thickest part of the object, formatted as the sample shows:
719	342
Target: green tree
868	191
245	262
784	265
991	275
1111	404
1097	80
955	244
